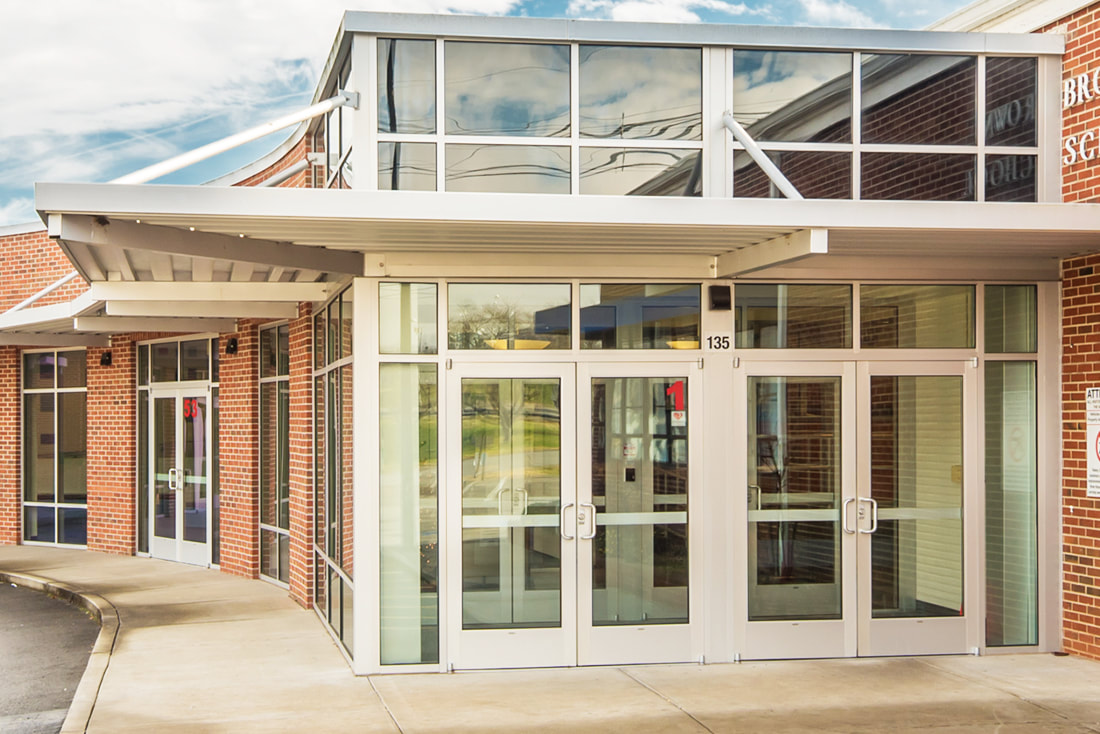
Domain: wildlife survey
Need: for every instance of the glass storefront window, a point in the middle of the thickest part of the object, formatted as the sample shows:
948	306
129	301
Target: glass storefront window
640	316
916	316
641	92
408	453
1011	504
407	322
55	439
793	96
508	315
508	169
406	167
1011	319
919	99
816	175
195	359
781	316
406	86
506	89
165	361
641	172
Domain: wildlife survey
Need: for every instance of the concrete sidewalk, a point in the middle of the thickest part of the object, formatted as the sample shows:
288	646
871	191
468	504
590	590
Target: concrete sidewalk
200	651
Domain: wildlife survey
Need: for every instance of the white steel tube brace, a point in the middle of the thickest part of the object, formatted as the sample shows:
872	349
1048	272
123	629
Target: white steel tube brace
42	293
760	157
220	146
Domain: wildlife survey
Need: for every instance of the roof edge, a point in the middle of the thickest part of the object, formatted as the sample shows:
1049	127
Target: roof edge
23	228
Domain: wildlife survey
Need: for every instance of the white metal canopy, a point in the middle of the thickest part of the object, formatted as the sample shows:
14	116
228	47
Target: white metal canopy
194	234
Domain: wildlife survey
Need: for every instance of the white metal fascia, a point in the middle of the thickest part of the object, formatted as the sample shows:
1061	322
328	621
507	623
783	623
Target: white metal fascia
25	339
705	34
122	324
1008	16
200	292
119	233
219	309
333	208
45	314
795	246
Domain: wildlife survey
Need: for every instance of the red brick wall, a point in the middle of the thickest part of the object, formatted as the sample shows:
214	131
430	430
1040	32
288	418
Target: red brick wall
301	457
112	450
1080	359
1080	514
238	453
10	445
30	262
1080	181
302	179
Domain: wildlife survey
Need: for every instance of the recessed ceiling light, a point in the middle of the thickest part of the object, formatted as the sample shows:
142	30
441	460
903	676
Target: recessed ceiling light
191	228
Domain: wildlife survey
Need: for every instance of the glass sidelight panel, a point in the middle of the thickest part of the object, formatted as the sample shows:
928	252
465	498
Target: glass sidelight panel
794	479
917	484
194	470
511	498
164	462
640	494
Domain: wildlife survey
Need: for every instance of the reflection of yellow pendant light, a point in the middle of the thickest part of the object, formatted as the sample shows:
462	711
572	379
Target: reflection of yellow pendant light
518	344
684	344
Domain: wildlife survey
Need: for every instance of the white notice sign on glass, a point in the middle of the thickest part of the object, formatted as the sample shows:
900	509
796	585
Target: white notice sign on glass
1092	413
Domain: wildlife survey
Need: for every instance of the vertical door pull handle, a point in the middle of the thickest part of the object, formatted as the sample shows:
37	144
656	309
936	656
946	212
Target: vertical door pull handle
844	515
565	535
592	519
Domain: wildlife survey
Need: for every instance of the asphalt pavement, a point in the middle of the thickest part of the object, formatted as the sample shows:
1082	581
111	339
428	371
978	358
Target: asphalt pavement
44	648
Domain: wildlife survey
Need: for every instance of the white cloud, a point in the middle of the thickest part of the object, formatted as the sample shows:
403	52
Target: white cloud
667	11
836	13
17	211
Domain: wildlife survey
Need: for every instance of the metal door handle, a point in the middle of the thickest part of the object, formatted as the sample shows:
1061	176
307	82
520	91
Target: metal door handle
564	535
874	516
844	515
500	502
592	507
173	478
758	493
522	491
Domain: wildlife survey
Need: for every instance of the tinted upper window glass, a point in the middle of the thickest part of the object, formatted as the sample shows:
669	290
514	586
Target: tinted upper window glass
793	96
1010	101
406	86
506	89
919	99
641	92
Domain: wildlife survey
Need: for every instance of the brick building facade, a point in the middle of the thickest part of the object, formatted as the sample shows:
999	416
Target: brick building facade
322	419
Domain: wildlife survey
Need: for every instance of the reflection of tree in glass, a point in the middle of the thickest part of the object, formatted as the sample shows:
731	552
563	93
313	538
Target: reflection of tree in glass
474	325
774	457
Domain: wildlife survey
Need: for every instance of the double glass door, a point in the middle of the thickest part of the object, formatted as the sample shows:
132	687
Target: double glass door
179	505
856	506
568	542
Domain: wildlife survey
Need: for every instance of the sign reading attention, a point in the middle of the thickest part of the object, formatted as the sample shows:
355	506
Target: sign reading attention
1092	413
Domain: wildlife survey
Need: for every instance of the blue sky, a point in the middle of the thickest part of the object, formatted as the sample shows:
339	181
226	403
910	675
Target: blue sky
94	90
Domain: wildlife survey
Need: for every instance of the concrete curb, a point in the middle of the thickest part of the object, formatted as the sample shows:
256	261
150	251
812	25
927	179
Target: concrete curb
80	711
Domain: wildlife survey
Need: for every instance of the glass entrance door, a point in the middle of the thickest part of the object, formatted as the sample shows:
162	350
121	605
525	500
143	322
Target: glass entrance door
179	464
637	599
854	520
511	561
915	557
800	472
555	561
